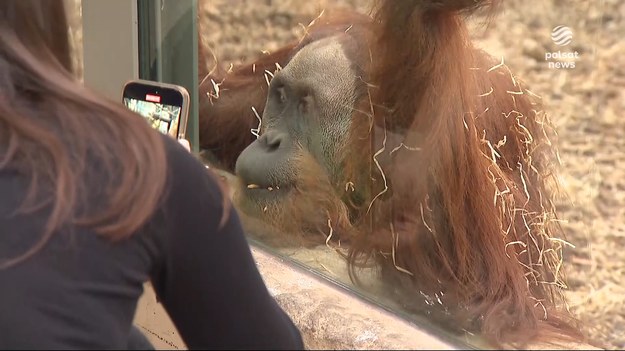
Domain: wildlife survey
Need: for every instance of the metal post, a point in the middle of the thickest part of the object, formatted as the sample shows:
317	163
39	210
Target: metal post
168	50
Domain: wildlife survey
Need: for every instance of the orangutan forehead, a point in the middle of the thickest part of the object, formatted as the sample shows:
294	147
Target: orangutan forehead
324	60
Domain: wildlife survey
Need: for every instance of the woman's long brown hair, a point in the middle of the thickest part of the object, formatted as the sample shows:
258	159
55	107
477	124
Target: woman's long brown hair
58	133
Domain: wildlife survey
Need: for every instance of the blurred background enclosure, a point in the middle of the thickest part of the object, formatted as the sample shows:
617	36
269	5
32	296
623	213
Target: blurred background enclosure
585	102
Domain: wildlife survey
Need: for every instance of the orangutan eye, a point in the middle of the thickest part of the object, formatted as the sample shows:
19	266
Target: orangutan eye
281	94
305	103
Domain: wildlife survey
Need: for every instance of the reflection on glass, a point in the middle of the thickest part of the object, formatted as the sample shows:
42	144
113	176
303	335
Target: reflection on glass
451	218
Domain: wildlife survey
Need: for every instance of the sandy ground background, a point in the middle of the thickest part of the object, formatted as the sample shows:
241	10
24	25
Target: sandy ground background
586	103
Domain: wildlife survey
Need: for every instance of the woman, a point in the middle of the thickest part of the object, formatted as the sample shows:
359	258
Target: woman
94	203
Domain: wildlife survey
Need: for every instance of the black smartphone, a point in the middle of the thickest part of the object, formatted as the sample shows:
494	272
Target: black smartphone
164	106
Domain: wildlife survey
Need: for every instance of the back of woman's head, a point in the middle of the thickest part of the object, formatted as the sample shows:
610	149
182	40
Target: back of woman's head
58	134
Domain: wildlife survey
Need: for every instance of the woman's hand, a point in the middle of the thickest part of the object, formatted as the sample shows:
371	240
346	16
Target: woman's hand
185	144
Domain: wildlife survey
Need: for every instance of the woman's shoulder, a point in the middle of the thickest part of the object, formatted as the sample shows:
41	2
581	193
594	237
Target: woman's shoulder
188	179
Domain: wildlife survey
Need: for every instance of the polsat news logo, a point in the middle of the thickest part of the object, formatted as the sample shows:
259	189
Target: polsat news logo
561	36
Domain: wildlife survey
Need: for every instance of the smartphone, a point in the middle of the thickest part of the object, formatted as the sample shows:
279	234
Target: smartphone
164	106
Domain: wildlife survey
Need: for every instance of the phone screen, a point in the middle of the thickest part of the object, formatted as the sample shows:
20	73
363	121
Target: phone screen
162	107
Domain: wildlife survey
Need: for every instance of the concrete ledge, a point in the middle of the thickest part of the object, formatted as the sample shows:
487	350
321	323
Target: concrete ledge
332	318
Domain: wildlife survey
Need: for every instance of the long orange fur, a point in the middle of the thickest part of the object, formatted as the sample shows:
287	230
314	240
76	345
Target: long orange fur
453	199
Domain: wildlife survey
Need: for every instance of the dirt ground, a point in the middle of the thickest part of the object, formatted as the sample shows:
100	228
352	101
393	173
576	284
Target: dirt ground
585	102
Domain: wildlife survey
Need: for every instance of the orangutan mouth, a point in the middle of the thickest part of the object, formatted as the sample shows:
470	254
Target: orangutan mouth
267	191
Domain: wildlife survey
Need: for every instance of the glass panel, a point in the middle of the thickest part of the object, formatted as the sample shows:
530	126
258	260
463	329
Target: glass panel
567	53
168	49
311	200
